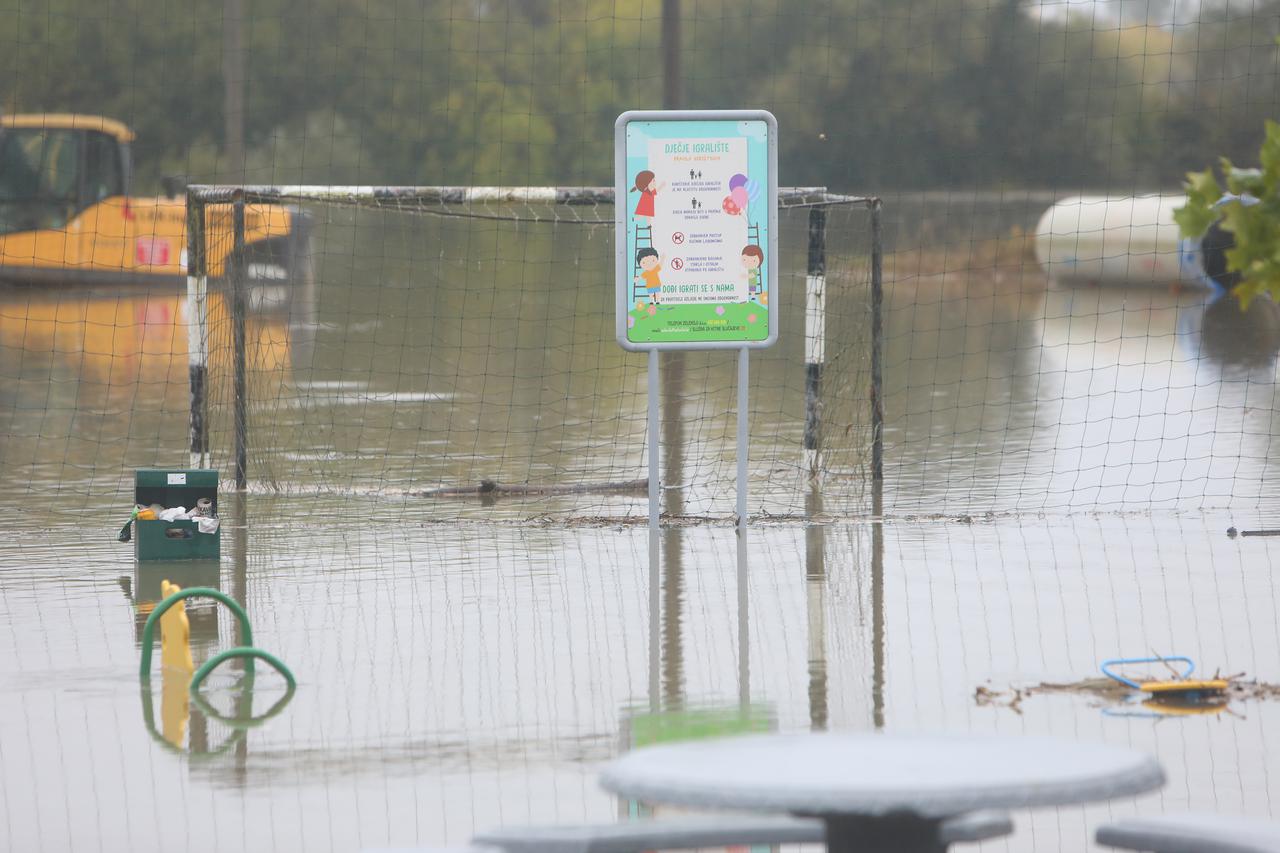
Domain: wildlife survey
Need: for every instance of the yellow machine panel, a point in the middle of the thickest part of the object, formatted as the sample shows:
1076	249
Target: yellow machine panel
66	213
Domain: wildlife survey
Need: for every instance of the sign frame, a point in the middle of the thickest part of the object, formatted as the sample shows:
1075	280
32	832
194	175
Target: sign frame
623	262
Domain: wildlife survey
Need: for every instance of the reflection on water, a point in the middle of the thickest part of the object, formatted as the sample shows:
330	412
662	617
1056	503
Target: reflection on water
456	677
437	353
94	382
1081	398
1007	398
1234	338
468	676
143	590
815	575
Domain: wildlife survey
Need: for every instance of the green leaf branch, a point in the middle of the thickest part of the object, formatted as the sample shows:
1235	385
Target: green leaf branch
1255	227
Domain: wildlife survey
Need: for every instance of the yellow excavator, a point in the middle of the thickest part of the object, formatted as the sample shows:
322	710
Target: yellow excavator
67	216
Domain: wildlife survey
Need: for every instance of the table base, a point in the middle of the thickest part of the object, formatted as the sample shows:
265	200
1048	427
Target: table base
893	833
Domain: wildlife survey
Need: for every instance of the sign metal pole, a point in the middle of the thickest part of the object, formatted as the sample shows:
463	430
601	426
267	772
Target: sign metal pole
743	370
654	485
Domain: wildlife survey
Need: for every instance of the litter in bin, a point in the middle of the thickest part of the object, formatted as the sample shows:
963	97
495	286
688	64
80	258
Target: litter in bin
201	514
126	532
177	516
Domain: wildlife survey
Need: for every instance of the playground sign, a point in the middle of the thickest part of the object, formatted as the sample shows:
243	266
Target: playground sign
697	229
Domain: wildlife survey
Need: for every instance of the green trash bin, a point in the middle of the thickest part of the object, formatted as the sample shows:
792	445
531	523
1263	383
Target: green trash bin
181	539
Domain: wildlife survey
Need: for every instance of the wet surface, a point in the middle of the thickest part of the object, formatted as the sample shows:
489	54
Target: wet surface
454	678
1062	467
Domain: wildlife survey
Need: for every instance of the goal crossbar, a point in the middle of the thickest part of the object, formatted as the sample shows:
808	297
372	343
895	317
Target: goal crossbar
337	194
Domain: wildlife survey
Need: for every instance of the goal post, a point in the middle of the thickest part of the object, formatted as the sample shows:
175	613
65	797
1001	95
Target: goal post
468	279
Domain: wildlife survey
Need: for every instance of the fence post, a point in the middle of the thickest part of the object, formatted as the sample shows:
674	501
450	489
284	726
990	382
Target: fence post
877	344
197	326
815	308
234	267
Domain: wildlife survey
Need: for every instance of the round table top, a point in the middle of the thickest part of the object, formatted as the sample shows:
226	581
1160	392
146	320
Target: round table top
874	774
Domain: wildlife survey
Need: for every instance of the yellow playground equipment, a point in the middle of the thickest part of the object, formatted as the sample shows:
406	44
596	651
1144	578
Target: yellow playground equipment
66	214
1181	689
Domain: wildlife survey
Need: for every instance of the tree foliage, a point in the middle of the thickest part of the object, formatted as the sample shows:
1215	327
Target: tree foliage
1249	210
871	94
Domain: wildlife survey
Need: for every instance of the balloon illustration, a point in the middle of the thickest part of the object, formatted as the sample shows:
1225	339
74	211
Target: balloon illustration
737	181
739	196
753	191
730	206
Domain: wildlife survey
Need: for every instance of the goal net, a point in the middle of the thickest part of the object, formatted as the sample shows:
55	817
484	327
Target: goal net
453	349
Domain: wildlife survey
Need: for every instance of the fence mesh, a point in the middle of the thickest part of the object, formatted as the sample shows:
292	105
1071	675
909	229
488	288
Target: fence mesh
440	354
1073	420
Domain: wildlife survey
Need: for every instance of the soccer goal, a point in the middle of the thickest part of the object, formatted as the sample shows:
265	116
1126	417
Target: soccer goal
452	348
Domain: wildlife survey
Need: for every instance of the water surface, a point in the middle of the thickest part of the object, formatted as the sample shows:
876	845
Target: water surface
1061	468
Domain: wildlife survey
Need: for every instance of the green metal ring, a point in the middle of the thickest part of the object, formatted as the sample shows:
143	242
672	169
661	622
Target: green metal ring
148	630
248	652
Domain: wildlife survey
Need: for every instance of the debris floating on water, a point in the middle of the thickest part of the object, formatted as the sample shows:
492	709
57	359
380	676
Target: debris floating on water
1266	531
1181	688
1105	692
491	488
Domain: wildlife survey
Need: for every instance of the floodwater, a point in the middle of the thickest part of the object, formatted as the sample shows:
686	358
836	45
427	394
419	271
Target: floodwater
1061	468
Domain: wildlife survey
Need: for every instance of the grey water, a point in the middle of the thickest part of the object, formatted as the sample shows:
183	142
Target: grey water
1062	464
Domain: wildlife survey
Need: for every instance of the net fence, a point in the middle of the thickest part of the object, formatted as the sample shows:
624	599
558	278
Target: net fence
458	357
443	444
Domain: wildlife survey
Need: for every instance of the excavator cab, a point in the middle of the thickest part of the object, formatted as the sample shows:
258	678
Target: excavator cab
52	171
67	217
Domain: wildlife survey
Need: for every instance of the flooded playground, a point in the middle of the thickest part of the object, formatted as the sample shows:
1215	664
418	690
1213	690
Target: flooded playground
1062	466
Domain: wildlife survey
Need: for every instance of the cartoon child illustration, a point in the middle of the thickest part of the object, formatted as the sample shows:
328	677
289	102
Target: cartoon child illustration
648	189
752	258
651	264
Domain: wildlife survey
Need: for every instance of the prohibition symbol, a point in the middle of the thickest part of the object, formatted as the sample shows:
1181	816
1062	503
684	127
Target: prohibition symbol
677	238
677	264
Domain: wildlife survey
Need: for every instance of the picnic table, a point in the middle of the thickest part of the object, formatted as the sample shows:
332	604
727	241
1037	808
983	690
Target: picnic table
880	792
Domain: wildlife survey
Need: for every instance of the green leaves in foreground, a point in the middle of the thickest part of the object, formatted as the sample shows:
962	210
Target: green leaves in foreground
1199	213
1255	227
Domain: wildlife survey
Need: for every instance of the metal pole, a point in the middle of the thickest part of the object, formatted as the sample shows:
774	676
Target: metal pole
815	329
234	267
877	344
815	332
744	645
197	327
654	481
878	635
673	360
743	376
